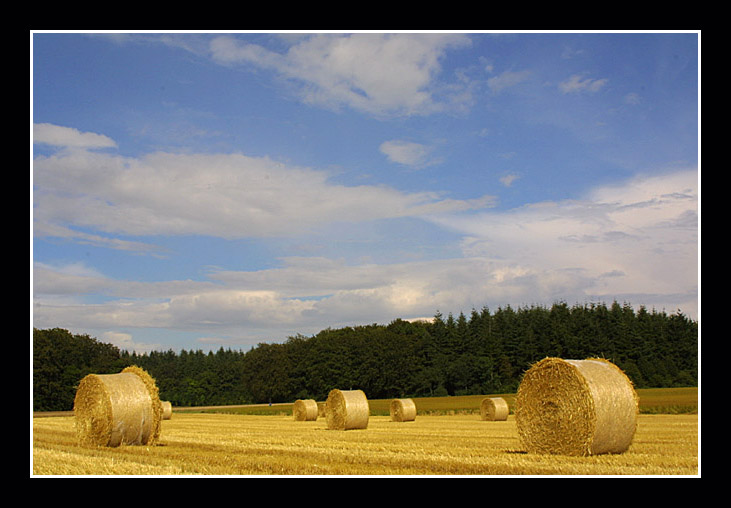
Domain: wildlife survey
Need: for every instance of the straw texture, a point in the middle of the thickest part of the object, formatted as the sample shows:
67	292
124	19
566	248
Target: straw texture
576	407
167	409
347	409
494	409
118	409
403	410
305	410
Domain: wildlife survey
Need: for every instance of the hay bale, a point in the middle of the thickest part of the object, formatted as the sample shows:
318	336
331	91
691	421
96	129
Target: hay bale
403	410
347	409
118	409
167	409
305	410
494	409
576	407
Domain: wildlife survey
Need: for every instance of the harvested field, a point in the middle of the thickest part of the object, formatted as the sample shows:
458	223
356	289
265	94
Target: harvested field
225	444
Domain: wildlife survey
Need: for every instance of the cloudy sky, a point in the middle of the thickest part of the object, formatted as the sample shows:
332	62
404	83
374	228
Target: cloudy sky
199	190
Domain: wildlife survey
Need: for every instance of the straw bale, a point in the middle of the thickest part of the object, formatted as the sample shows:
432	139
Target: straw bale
118	409
494	409
576	407
403	410
167	409
305	410
347	409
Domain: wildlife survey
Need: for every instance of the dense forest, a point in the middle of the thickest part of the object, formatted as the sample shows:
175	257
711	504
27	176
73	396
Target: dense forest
482	353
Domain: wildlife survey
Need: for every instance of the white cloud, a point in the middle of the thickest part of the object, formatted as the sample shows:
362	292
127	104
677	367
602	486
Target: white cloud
304	296
124	342
508	180
56	135
226	195
379	74
634	242
47	229
569	52
66	280
507	79
406	152
643	232
577	83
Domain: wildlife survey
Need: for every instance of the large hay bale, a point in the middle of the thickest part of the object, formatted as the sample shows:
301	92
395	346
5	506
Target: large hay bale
118	409
494	409
167	409
347	409
576	407
403	410
305	410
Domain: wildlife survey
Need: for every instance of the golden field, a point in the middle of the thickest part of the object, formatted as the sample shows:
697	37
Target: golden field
456	444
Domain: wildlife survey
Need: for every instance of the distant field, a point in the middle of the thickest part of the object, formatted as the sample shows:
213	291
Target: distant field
652	401
668	400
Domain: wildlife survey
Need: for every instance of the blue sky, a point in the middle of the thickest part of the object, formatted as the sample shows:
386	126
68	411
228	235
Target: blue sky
200	190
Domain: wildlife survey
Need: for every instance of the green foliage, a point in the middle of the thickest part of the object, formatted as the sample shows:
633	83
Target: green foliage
486	352
61	360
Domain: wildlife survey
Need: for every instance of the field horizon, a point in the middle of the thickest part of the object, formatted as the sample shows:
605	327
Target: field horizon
682	400
652	401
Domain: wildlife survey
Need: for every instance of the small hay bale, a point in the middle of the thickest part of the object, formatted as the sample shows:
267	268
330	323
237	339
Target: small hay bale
347	409
167	409
305	410
118	409
403	410
576	407
494	409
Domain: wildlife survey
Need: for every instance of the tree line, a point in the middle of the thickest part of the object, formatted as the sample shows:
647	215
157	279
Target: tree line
480	353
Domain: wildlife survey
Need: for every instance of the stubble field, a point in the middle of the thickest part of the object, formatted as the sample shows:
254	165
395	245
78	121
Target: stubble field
459	444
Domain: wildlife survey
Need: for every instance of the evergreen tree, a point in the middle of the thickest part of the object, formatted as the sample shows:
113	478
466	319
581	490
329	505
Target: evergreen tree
61	360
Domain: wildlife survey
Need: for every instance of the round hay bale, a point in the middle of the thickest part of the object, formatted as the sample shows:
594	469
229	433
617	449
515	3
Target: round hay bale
305	410
576	407
494	409
118	409
167	409
403	410
347	409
